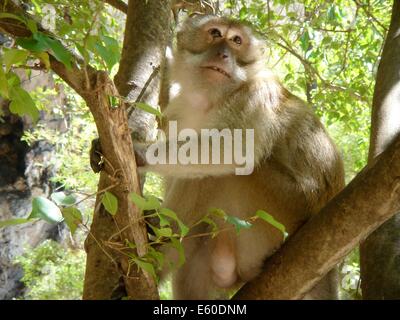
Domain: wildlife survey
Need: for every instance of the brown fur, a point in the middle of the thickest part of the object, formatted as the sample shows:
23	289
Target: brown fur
298	168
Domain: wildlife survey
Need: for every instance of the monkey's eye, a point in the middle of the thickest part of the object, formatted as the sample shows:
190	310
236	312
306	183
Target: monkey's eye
237	40
215	33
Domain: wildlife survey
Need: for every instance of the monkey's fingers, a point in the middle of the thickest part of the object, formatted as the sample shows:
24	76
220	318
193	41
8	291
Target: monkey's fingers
96	161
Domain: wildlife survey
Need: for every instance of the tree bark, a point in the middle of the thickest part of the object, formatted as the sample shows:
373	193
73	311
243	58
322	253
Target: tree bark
142	53
120	169
118	4
102	276
147	32
380	253
370	199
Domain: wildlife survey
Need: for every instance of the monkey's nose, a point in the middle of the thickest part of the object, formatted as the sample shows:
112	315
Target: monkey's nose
222	55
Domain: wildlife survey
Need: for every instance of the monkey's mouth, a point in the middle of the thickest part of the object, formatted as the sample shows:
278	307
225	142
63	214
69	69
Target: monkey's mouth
226	74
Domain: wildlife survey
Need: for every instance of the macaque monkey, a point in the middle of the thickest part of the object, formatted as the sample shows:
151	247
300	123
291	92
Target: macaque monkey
221	82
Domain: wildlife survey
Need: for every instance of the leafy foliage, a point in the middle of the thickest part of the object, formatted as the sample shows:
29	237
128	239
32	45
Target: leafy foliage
52	272
325	52
72	145
110	202
46	210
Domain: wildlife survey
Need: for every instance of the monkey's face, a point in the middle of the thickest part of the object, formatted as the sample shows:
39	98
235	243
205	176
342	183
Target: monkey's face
217	52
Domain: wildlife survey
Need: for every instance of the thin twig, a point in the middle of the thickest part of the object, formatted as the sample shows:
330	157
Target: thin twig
93	194
100	246
85	39
118	4
313	71
369	14
142	92
35	67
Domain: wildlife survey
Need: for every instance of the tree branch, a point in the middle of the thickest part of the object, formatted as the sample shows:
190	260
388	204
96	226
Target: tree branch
116	144
74	77
369	200
143	50
379	253
369	14
118	4
314	72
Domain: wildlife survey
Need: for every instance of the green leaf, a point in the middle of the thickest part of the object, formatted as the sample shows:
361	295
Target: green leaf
22	103
113	101
32	44
31	24
305	41
164	232
82	50
113	45
243	13
62	199
110	202
146	266
13	80
217	213
58	50
109	51
14	57
171	214
46	210
3	83
138	200
130	244
72	217
161	232
149	109
151	203
271	220
214	227
238	223
44	57
108	56
13	222
38	8
332	13
156	256
163	220
175	243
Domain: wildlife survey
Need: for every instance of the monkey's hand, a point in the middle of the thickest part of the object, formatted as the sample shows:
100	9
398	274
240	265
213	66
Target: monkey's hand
140	153
97	161
96	157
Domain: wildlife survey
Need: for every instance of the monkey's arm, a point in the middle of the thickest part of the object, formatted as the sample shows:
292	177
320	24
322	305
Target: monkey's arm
172	159
312	159
167	169
245	127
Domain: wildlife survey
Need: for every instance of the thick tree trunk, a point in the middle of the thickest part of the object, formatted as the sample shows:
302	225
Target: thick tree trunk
380	253
369	200
120	169
103	275
138	79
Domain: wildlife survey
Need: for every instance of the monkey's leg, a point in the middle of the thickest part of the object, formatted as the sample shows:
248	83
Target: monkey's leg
326	289
254	245
223	260
193	281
